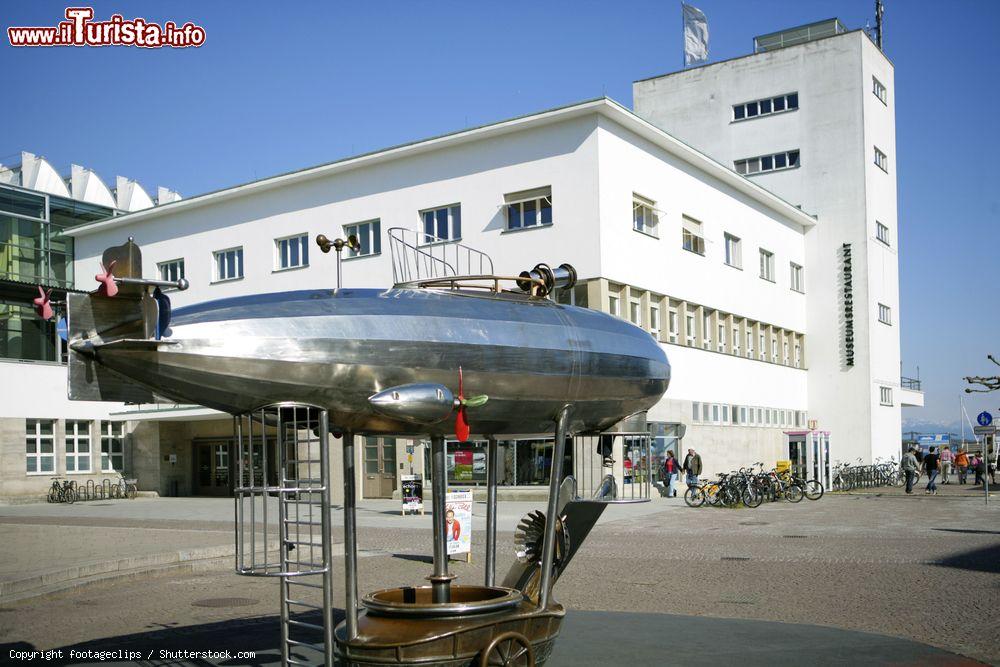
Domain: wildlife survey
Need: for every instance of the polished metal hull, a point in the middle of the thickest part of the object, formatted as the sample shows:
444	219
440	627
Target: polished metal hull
335	349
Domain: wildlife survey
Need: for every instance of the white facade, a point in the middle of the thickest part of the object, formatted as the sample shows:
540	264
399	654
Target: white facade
595	158
844	112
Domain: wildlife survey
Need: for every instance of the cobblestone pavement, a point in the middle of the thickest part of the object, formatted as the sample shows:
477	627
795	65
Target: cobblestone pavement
918	567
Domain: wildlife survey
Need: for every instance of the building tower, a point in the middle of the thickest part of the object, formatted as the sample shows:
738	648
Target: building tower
810	116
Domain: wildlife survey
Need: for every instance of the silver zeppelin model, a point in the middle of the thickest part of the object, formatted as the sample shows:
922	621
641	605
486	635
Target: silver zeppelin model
372	358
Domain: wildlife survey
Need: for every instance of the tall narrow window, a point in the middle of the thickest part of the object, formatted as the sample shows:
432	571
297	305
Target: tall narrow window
291	252
654	320
635	312
882	233
172	270
673	329
689	330
692	236
881	160
528	208
749	342
614	305
228	264
735	347
796	277
644	215
442	224
734	251
369	237
798	356
112	446
706	330
39	440
720	342
884	314
767	265
880	91
885	396
77	446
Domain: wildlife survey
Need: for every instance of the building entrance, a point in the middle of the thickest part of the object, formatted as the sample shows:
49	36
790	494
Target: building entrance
809	452
380	467
213	468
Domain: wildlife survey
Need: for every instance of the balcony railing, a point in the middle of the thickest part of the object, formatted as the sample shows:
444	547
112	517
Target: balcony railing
910	383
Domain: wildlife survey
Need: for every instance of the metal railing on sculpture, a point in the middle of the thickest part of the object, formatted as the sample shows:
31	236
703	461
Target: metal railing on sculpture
419	256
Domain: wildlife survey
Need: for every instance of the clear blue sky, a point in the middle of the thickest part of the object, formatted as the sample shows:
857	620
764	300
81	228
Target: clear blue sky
279	86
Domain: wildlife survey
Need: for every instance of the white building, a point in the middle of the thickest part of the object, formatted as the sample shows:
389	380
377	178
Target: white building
811	117
642	216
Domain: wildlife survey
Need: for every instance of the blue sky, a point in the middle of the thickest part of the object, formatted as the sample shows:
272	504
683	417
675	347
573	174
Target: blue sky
279	86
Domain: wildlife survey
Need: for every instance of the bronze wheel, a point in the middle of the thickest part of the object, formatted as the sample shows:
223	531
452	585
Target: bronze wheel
511	649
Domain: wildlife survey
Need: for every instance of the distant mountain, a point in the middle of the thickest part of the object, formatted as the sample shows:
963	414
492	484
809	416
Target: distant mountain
924	426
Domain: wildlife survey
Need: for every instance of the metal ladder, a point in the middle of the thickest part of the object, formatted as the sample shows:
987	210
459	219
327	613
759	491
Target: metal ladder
284	461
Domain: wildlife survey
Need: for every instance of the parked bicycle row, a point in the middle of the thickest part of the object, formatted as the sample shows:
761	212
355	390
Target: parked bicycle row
68	491
847	476
751	487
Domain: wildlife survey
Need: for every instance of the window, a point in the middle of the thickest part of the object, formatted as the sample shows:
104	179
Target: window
766	106
529	208
762	349
696	411
796	277
228	264
112	446
706	329
715	413
614	305
692	237
39	439
644	216
654	320
885	396
881	160
743	414
735	340
704	412
880	91
784	355
884	314
442	224
720	341
172	270
77	446
689	332
798	357
749	343
774	349
881	232
672	325
767	265
635	312
734	252
725	414
753	417
291	252
772	162
369	237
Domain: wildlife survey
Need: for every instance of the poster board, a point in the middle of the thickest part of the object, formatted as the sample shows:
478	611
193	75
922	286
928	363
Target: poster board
412	488
458	522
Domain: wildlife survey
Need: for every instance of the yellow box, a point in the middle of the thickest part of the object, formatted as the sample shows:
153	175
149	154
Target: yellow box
783	465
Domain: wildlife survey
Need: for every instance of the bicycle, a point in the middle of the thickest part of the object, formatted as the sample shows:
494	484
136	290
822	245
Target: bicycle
62	493
125	488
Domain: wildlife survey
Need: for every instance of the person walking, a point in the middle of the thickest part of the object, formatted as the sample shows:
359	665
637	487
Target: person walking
946	459
962	465
909	467
977	467
991	468
692	466
671	467
931	466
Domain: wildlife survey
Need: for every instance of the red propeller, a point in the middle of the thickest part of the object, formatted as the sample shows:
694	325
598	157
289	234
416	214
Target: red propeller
462	428
42	305
108	285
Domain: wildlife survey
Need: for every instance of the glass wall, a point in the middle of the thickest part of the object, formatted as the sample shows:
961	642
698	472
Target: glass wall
33	249
519	462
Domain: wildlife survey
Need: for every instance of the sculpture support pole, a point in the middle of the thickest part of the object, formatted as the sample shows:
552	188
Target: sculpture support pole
350	539
440	580
549	536
491	511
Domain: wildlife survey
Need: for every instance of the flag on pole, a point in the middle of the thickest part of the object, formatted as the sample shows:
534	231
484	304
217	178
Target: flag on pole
695	35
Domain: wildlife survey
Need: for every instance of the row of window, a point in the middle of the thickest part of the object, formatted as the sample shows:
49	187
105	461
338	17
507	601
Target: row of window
766	106
706	328
40	444
770	162
746	415
523	210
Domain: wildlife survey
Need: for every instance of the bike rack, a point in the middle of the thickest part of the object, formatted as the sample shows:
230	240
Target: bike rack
292	540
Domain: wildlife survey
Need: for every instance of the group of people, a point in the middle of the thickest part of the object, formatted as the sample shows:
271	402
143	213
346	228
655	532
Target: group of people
943	462
672	469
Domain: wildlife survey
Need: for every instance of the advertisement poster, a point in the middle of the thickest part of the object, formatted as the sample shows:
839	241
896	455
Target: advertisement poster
458	521
413	493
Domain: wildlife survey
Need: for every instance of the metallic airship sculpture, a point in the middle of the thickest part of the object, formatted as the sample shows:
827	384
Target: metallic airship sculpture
442	353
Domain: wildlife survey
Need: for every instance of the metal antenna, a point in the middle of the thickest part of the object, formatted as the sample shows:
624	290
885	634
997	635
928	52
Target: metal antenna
879	11
326	244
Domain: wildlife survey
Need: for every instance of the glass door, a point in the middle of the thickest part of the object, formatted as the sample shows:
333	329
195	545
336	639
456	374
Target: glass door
214	471
380	467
